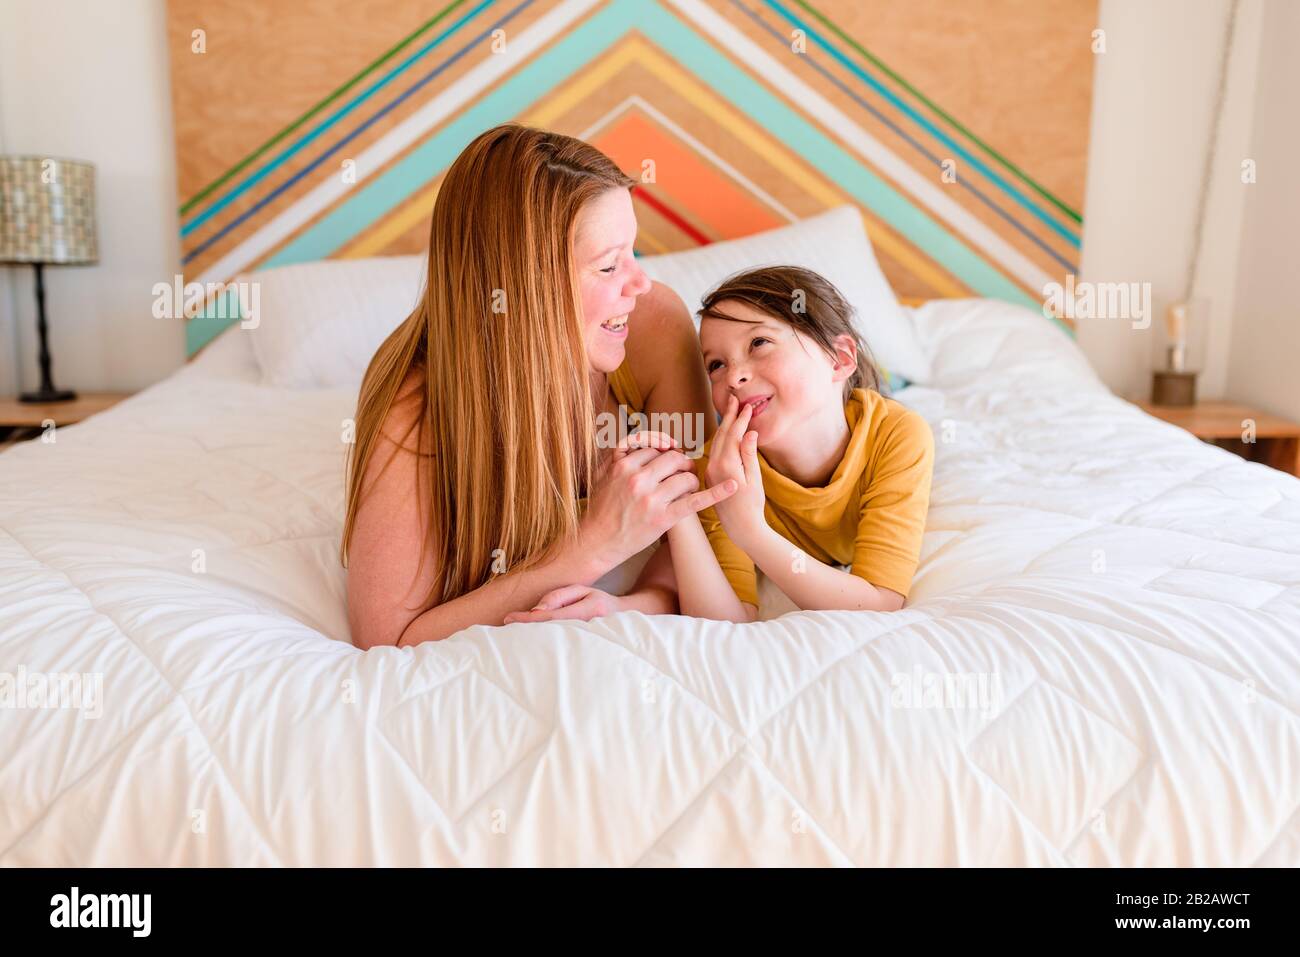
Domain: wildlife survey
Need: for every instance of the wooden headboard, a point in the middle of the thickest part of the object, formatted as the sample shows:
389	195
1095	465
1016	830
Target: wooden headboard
959	129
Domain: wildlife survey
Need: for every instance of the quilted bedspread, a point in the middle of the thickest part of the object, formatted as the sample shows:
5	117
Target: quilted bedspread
1099	663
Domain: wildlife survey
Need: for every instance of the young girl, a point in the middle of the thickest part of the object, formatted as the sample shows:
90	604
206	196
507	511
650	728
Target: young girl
829	471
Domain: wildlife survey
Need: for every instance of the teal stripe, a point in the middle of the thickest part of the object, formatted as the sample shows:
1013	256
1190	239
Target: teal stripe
572	53
202	329
1037	211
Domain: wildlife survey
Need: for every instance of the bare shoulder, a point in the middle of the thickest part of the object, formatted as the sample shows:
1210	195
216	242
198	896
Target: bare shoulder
657	313
662	345
410	391
402	424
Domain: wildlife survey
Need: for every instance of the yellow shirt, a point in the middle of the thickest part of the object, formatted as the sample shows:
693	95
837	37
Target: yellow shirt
871	515
625	388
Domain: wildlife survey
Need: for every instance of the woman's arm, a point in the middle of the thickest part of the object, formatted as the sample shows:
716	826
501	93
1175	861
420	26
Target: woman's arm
385	595
490	603
703	590
655	591
642	492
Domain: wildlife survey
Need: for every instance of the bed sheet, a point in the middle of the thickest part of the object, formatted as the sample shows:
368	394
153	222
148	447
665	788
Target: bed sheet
1099	663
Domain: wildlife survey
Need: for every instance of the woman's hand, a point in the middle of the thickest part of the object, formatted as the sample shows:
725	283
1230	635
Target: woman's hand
580	602
643	488
734	457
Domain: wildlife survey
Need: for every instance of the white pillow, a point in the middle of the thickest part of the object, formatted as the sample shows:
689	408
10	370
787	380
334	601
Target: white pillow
320	323
968	340
833	244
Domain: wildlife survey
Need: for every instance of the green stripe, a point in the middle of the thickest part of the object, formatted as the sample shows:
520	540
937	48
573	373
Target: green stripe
1011	167
392	52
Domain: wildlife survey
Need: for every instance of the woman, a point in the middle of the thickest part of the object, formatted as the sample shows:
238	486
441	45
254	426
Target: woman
476	421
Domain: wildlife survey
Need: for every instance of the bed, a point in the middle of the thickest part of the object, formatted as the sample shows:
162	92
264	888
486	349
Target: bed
1099	663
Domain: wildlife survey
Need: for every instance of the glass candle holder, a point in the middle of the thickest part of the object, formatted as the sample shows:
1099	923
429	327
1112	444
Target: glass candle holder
1179	352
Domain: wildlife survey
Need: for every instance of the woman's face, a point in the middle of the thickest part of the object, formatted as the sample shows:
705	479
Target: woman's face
608	275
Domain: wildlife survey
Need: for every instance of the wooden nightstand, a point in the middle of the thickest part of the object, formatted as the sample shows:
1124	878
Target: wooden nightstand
24	420
1277	440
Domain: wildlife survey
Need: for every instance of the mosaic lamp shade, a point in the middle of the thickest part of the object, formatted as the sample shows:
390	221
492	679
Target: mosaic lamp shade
47	211
47	217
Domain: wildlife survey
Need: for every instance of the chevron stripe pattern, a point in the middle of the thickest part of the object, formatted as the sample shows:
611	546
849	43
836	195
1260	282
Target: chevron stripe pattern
959	129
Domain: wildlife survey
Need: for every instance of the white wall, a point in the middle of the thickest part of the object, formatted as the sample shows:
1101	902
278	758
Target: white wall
89	80
1153	97
1264	361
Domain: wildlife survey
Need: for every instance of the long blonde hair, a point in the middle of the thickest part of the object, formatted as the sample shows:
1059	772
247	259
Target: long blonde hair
507	412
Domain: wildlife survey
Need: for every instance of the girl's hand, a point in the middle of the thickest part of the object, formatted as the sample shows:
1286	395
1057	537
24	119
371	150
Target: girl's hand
580	602
734	457
642	489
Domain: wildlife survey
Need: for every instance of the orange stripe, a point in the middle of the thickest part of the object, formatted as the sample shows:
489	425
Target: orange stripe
681	175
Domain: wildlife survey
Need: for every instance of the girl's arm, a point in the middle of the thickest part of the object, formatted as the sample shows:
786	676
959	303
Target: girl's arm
808	583
702	589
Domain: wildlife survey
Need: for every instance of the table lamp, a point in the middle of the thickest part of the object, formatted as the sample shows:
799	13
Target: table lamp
47	217
1180	345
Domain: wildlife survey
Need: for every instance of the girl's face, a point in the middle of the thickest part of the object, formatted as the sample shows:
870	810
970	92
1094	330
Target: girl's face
608	275
761	360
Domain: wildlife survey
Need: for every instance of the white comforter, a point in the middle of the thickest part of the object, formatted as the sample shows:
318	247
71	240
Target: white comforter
1126	598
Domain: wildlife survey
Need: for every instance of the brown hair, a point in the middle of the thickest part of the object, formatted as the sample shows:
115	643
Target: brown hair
826	314
506	404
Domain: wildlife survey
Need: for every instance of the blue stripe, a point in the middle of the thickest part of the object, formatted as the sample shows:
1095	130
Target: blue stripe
316	163
309	137
947	140
938	162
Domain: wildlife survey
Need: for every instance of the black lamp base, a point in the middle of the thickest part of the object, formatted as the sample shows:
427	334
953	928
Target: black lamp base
48	395
47	392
